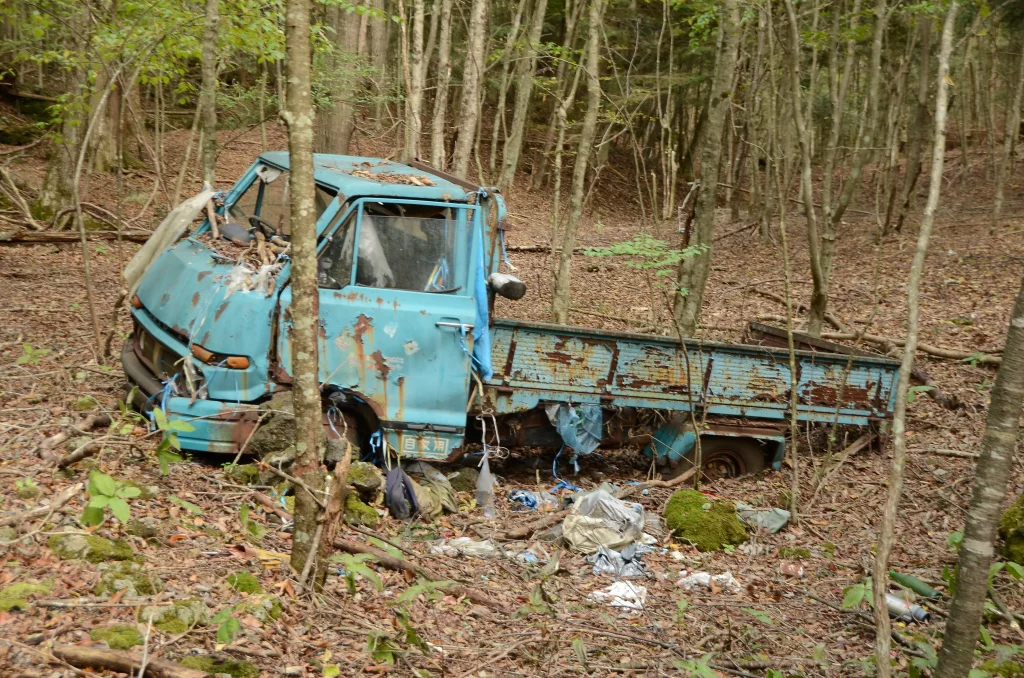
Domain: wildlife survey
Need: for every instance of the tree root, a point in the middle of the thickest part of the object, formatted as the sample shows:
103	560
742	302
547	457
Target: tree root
121	662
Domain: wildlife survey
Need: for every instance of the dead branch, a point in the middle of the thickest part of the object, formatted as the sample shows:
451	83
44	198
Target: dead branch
18	200
81	452
58	237
400	565
121	662
943	400
946	453
938	352
272	506
45	449
800	307
19	149
55	503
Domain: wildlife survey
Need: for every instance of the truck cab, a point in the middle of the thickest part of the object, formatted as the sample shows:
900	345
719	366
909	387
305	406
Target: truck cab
404	256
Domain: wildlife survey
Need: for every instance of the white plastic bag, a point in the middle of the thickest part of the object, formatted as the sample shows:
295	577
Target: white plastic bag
485	485
622	594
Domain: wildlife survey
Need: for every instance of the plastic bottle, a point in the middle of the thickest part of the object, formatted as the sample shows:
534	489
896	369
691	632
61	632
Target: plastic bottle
485	490
904	611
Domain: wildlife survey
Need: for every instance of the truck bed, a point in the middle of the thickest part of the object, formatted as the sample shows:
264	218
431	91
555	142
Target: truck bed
536	363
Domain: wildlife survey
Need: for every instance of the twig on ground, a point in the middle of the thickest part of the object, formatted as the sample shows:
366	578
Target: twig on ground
121	662
58	501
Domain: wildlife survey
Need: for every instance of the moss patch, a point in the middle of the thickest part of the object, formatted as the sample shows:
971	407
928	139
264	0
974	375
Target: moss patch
243	582
129	577
17	595
118	636
366	479
360	514
1011	531
1007	669
465	480
28	490
147	528
278	431
89	547
264	608
787	552
244	474
7	533
710	528
177	618
212	665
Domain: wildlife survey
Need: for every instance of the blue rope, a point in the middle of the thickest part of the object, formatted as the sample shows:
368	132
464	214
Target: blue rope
477	365
562	484
504	252
332	412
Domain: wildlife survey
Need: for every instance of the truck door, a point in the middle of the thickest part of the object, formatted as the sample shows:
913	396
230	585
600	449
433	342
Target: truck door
396	318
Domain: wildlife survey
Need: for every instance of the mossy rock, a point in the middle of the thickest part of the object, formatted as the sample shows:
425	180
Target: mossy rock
710	528
359	514
147	527
1011	531
366	478
129	577
1007	669
16	596
244	474
177	618
243	582
89	547
787	552
117	637
264	608
8	533
278	431
465	480
28	491
213	665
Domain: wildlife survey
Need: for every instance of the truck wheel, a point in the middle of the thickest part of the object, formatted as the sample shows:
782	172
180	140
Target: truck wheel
724	457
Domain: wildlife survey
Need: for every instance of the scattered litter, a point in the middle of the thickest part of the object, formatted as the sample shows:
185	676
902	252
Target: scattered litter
773	519
580	426
904	611
622	594
464	546
527	558
433	491
791	569
914	584
626	563
400	494
485	485
724	582
599	519
533	500
392	177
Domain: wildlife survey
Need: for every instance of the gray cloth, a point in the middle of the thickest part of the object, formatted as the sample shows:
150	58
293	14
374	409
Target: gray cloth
580	426
400	494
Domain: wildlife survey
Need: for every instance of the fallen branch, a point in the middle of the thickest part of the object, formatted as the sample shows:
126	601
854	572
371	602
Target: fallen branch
400	565
18	200
272	506
936	394
946	453
938	352
45	237
121	662
45	449
800	307
55	503
81	452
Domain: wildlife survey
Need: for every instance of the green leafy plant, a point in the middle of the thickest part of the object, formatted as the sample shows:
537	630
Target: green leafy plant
382	647
698	667
355	565
250	526
759	615
31	355
26	487
187	505
106	492
954	540
579	648
855	594
169	447
975	359
228	625
540	602
914	390
919	666
431	591
679	616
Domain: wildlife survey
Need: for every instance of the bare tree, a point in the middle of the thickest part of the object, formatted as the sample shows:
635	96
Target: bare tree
694	271
336	121
412	63
444	77
305	297
208	93
899	422
561	296
917	131
1009	140
472	74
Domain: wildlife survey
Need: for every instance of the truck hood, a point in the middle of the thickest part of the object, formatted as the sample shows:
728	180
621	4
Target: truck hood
185	291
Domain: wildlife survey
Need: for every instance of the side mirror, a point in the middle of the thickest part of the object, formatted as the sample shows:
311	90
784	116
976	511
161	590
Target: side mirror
507	285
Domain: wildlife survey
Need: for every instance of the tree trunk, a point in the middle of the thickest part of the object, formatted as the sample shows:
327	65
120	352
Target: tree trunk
335	122
899	422
304	309
414	75
918	128
472	74
560	300
526	69
444	76
208	93
995	466
507	56
694	270
1012	132
56	192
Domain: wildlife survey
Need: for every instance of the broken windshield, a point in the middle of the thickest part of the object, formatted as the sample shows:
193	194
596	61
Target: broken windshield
267	197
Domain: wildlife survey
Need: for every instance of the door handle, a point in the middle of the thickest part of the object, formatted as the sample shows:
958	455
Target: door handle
461	326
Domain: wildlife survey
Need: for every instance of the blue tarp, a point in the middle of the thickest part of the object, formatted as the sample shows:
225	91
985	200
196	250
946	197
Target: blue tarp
481	329
580	426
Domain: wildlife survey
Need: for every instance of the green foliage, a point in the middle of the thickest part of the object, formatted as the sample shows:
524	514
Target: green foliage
31	355
249	526
540	602
679	616
914	390
1011	531
431	591
759	615
27	489
107	493
921	666
647	253
169	447
382	648
187	505
697	668
855	594
355	565
227	624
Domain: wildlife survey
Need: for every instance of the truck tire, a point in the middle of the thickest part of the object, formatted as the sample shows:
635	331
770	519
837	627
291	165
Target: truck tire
724	457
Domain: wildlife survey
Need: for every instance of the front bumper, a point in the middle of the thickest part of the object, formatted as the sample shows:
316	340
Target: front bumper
219	426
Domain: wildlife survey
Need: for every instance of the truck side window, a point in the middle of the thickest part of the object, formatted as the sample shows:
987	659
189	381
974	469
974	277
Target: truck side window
407	247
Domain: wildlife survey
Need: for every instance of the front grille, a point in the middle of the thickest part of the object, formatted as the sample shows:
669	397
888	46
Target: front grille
162	361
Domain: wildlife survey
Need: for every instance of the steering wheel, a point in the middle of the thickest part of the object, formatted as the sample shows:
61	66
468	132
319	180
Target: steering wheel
259	222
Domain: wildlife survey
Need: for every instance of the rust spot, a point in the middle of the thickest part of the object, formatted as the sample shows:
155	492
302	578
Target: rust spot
380	364
338	295
164	299
400	410
202	274
195	299
223	307
206	336
363	327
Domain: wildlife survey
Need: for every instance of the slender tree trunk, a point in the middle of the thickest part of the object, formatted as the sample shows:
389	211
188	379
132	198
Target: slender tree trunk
472	74
414	76
507	56
561	296
918	126
526	69
305	300
335	121
694	270
995	467
56	193
899	423
208	93
1010	138
444	76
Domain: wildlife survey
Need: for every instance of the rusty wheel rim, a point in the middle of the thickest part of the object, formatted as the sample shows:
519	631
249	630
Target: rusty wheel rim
723	464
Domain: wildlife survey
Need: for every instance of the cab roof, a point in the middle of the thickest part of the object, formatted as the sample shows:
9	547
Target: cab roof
357	176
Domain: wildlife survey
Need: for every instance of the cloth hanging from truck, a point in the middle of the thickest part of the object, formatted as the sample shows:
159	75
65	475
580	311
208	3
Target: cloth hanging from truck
481	330
580	426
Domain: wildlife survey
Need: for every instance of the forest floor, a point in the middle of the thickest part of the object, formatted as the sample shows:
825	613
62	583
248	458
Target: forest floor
51	377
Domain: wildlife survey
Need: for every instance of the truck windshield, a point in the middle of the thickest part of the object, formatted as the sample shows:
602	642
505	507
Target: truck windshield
269	200
404	247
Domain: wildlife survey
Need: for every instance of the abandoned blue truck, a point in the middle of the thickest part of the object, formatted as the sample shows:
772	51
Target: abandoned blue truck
412	359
